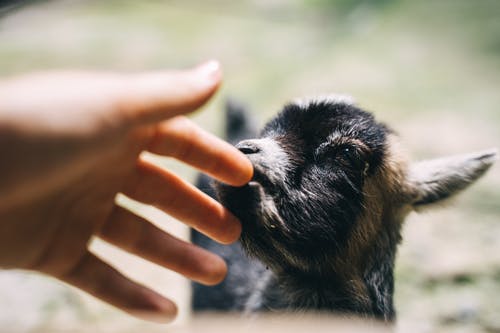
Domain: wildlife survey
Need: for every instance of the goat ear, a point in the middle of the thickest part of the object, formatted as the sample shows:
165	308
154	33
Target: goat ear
439	179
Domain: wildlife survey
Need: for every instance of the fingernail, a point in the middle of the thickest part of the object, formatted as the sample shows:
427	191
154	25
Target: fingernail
215	271
246	171
210	69
166	312
233	230
156	317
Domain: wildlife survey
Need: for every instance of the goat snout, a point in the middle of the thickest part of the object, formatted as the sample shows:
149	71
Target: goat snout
268	158
249	147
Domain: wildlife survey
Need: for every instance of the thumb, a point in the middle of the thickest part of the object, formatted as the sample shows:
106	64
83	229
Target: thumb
152	97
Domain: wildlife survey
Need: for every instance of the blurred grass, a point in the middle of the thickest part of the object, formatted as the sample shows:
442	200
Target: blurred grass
431	69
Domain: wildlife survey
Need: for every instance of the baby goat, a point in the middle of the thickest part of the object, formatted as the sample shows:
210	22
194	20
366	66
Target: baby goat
322	215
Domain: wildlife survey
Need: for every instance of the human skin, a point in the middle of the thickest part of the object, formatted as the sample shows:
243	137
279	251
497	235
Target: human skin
70	141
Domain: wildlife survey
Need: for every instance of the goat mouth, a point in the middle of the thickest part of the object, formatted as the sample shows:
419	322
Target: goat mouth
254	184
249	202
242	201
260	179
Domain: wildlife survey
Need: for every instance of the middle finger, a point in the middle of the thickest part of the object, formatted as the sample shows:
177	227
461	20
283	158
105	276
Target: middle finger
161	188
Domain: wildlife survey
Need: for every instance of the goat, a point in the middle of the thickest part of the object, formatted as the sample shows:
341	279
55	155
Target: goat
323	213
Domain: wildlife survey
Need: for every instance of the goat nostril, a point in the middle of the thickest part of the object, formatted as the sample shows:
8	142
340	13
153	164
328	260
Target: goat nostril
248	147
249	150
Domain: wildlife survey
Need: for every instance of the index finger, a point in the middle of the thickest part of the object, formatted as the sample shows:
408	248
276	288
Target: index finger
182	139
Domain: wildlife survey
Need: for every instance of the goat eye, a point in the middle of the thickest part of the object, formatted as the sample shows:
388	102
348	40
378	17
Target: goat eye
347	155
350	154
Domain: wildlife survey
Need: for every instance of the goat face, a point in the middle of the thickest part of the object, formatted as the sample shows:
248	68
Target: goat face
329	185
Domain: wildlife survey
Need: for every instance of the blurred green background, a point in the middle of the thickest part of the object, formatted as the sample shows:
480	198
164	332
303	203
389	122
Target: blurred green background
431	69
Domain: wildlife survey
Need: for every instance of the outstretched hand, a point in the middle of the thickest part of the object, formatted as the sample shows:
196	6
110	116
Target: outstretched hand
70	141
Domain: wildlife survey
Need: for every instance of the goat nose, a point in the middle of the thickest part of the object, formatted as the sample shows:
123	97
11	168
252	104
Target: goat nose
248	147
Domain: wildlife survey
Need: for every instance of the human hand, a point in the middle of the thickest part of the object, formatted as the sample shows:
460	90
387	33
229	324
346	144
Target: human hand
70	141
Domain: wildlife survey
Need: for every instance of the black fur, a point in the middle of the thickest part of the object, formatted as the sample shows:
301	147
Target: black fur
317	206
316	224
322	215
